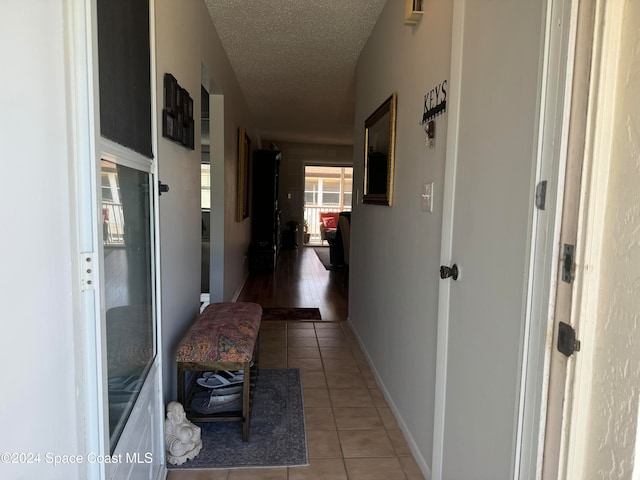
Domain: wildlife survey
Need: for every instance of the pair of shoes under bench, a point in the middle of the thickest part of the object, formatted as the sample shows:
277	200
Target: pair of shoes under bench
209	404
220	379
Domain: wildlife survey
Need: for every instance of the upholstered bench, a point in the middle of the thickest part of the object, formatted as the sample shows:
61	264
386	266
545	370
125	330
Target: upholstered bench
224	337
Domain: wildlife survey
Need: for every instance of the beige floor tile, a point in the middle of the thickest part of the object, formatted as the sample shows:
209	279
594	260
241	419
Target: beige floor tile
280	340
271	349
272	362
340	364
319	418
323	444
366	370
378	397
328	325
320	469
271	327
198	475
350	397
316	397
309	364
399	442
349	335
272	353
365	443
258	474
388	418
329	333
303	342
332	342
313	379
361	363
351	431
301	332
374	469
357	418
369	379
273	338
411	468
339	379
338	353
293	325
303	352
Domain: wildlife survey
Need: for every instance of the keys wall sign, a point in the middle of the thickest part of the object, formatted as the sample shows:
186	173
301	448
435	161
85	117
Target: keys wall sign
435	102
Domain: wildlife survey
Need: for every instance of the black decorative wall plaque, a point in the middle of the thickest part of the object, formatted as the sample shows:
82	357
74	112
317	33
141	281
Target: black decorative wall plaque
435	102
177	116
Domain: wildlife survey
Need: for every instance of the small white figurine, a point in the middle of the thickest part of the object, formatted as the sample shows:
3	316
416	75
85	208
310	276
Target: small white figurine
181	437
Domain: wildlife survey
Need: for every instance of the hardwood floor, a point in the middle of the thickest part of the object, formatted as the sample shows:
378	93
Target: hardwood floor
300	280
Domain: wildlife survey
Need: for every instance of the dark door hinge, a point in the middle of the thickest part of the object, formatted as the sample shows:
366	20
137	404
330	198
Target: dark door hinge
541	195
567	342
568	262
162	188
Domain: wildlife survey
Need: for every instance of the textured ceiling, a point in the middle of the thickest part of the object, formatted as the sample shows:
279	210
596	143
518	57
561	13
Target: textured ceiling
295	61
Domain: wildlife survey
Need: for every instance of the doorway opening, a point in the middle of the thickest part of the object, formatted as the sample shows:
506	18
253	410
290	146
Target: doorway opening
326	190
205	192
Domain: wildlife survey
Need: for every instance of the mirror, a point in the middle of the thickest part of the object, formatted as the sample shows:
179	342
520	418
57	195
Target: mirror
380	142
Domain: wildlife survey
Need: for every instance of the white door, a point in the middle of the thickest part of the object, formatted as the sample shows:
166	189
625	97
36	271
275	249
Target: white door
130	370
489	192
117	193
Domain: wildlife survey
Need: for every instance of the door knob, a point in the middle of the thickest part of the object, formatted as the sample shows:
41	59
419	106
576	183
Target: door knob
446	272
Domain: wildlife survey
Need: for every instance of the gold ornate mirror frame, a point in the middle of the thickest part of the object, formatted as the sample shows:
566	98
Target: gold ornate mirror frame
380	144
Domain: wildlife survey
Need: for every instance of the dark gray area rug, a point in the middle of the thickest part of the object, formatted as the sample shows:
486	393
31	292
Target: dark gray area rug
290	313
277	435
324	256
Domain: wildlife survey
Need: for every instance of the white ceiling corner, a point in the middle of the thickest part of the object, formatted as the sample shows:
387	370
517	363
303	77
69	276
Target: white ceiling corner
295	61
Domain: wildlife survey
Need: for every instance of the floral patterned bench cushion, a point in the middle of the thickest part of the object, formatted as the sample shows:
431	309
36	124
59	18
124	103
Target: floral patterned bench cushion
224	332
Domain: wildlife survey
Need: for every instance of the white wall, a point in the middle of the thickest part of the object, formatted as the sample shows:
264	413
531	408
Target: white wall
395	251
40	409
186	41
613	432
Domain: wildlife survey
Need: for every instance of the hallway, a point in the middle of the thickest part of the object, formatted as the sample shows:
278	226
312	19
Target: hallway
300	280
351	431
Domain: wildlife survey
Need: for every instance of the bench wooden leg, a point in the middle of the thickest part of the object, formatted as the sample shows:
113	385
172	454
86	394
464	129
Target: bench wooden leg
246	399
181	387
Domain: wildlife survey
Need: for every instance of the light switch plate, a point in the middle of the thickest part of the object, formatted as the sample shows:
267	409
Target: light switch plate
427	197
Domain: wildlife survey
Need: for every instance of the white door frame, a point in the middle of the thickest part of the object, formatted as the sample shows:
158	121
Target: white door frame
88	148
447	237
555	110
554	95
591	222
81	59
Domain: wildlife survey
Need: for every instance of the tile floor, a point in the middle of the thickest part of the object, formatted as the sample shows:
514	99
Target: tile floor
351	432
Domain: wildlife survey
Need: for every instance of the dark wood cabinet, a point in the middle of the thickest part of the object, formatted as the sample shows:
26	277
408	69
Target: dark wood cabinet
265	213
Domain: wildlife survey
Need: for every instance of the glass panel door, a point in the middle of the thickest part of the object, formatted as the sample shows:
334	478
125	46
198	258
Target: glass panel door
326	189
128	284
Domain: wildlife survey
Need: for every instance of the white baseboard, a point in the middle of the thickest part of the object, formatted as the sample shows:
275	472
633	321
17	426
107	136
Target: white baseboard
239	290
